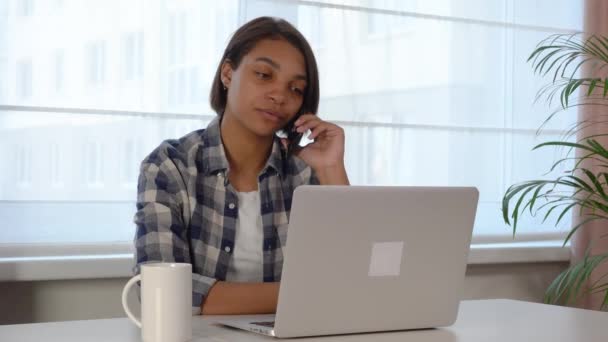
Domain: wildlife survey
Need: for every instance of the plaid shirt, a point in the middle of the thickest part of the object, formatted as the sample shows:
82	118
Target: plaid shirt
187	209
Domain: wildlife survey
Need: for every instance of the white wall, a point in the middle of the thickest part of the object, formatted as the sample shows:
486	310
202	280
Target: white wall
44	301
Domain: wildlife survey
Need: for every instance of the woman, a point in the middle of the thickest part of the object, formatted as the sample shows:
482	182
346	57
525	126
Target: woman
220	198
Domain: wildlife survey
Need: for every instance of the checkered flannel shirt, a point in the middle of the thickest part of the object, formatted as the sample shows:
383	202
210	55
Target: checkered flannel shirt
187	209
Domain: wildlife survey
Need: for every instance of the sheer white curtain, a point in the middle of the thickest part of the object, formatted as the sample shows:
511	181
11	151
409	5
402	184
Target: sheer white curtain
429	92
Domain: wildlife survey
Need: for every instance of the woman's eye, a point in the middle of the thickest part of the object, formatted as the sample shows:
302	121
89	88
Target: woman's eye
298	91
262	75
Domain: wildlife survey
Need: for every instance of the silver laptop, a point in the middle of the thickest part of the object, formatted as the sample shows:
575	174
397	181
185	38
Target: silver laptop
369	259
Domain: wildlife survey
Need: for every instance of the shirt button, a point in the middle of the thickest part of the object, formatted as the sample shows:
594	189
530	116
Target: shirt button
231	205
227	249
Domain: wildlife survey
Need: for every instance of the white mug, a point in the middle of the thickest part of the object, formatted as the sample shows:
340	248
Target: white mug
166	302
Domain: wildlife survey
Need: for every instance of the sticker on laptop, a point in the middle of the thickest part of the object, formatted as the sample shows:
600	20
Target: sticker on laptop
386	259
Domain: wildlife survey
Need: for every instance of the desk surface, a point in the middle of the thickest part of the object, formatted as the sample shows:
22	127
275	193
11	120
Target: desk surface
481	320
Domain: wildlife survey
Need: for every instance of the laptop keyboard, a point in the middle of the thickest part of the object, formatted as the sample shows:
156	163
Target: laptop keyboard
264	324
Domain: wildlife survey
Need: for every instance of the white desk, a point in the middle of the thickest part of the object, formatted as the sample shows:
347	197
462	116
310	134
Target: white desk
483	321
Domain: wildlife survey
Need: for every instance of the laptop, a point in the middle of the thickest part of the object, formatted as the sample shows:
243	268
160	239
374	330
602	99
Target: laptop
369	259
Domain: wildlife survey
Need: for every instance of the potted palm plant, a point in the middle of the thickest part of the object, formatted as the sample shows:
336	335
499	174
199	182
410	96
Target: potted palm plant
582	188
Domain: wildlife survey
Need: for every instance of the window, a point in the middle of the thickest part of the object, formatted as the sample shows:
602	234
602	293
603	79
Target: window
134	56
177	87
450	103
130	163
226	22
55	165
25	7
178	23
185	86
383	24
96	67
24	165
311	22
24	79
4	10
4	13
58	72
93	161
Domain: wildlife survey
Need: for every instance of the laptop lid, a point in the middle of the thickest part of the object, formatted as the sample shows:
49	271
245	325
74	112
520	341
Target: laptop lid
369	258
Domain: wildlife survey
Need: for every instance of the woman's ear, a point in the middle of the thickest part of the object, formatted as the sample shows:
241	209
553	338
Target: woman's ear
226	73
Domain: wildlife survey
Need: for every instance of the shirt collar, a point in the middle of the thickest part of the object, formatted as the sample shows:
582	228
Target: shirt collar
213	156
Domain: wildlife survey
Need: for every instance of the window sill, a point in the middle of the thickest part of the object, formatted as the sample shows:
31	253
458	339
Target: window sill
519	252
66	267
120	265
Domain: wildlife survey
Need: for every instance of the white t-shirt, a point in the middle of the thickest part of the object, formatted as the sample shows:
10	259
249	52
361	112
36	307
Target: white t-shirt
247	260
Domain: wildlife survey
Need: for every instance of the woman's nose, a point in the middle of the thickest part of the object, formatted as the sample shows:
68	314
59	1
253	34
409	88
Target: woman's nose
277	96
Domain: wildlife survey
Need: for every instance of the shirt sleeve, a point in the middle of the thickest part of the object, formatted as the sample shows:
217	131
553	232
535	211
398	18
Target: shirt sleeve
162	234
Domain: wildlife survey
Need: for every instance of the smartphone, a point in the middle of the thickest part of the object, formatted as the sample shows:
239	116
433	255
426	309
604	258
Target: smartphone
293	137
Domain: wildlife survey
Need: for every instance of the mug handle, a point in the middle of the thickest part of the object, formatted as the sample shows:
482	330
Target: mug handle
125	305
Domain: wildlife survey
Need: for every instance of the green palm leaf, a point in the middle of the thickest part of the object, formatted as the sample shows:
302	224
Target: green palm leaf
563	57
568	286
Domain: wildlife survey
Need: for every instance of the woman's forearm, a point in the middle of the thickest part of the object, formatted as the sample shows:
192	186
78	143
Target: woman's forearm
333	176
226	298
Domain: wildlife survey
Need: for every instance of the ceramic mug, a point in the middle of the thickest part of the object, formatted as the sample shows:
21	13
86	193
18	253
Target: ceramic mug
166	302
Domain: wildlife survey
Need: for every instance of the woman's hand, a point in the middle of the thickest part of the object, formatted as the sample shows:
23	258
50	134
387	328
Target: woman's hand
326	154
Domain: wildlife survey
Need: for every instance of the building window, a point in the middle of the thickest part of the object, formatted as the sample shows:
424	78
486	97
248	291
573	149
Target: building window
130	164
24	165
134	56
226	22
177	37
55	165
24	79
195	85
25	8
96	56
311	24
382	24
185	86
177	87
4	12
93	163
58	70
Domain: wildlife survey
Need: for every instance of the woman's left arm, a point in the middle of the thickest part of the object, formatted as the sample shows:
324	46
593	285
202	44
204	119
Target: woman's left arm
326	154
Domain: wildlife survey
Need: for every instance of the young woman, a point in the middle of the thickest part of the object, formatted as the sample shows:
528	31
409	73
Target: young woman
220	198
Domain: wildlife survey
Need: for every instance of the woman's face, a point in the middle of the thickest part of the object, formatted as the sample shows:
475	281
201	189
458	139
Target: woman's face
266	90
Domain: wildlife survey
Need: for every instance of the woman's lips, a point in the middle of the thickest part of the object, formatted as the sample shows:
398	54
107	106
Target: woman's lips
270	115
